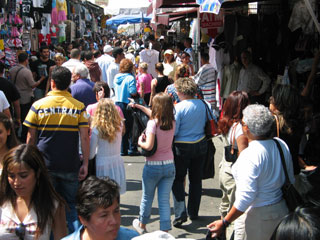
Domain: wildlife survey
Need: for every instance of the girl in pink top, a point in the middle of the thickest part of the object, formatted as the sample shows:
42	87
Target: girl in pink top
144	82
159	170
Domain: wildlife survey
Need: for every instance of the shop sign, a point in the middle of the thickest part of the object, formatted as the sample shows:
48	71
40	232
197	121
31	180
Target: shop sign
102	2
210	20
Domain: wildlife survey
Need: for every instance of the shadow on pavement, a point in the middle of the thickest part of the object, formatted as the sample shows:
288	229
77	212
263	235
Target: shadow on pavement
212	192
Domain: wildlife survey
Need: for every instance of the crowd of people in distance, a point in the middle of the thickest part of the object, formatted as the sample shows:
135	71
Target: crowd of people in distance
71	113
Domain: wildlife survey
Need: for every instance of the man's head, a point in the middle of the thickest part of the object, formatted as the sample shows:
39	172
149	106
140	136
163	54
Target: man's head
60	78
107	49
151	38
96	54
204	58
187	42
23	58
88	55
44	52
246	58
98	207
75	54
80	72
118	54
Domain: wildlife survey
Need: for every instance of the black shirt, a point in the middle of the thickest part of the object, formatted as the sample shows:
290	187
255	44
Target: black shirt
10	91
42	68
162	83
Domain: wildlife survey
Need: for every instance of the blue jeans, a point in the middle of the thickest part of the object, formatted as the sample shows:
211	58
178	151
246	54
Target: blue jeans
66	184
154	176
189	158
126	142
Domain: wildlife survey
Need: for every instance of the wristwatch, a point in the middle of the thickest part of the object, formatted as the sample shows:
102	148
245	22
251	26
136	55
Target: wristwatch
225	223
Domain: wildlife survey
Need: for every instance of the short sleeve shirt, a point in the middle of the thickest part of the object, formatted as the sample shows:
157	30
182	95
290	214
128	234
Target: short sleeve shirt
4	104
58	118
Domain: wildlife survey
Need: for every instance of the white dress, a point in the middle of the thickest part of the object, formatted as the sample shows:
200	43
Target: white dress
9	222
108	159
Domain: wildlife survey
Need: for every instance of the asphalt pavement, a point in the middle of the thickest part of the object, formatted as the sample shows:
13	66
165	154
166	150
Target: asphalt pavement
209	208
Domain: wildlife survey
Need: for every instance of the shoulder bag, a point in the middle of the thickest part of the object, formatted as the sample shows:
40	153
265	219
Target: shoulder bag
290	194
230	153
210	128
149	153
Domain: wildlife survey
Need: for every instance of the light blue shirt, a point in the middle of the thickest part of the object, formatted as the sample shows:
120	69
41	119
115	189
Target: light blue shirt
104	62
124	86
190	116
123	234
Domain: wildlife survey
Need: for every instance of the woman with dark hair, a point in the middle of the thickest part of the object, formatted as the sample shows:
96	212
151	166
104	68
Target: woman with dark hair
231	129
285	104
160	83
303	223
159	170
30	207
8	137
185	58
98	206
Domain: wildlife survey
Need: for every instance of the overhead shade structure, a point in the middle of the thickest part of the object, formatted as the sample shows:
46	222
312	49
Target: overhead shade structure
125	19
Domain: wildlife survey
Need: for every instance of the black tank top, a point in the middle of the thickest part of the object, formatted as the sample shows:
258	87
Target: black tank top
162	83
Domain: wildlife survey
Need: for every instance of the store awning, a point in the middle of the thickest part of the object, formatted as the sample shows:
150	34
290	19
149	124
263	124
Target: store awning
175	3
124	19
176	14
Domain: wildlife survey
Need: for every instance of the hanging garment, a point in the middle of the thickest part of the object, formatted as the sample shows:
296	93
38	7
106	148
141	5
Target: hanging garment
62	10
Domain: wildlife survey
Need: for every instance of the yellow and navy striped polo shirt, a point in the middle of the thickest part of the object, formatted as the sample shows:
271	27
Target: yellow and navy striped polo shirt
58	118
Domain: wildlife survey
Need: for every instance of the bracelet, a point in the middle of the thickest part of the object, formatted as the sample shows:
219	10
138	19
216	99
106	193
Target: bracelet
225	223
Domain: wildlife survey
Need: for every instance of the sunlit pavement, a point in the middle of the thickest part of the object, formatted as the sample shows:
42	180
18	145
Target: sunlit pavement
196	229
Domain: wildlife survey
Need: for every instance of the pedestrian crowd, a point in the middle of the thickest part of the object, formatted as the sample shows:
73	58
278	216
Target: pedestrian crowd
68	117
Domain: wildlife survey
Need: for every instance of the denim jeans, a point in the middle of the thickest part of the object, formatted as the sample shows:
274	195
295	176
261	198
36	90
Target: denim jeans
161	177
66	184
126	142
189	157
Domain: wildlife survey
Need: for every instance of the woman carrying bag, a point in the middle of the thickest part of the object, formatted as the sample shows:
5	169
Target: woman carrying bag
159	170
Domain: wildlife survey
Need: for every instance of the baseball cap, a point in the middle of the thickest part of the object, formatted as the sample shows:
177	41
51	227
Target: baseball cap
168	51
107	48
116	51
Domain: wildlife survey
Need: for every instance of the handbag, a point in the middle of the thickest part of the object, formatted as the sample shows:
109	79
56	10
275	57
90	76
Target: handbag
290	194
149	153
210	128
208	167
230	153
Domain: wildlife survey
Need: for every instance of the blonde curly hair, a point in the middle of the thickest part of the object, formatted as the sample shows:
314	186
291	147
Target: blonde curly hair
107	120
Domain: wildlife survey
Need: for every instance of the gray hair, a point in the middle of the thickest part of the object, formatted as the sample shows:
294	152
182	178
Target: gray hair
259	120
82	70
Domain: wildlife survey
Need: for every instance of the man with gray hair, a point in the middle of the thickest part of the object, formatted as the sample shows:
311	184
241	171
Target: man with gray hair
82	89
74	60
259	175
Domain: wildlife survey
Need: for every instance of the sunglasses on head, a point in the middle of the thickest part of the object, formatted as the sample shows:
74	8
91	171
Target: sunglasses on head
20	231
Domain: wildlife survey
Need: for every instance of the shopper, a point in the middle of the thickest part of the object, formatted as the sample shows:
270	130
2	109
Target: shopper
144	82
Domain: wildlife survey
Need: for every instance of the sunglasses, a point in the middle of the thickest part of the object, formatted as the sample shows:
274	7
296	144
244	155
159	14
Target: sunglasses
20	231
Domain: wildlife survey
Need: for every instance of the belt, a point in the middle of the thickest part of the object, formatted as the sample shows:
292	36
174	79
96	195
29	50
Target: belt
159	162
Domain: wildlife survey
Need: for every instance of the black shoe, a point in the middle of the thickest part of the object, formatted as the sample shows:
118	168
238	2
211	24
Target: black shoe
193	217
178	222
135	153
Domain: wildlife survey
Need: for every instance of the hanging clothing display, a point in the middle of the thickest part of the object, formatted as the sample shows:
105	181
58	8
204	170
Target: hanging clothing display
62	9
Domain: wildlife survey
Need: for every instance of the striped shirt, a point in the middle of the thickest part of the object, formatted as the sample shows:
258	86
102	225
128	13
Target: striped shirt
58	118
206	79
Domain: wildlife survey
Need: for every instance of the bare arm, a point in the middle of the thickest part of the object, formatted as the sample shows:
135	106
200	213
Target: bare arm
242	142
59	227
153	90
216	227
7	112
306	91
142	89
37	83
146	141
32	136
144	109
17	111
85	148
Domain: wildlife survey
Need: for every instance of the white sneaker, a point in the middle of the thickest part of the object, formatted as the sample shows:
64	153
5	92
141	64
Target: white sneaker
136	226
